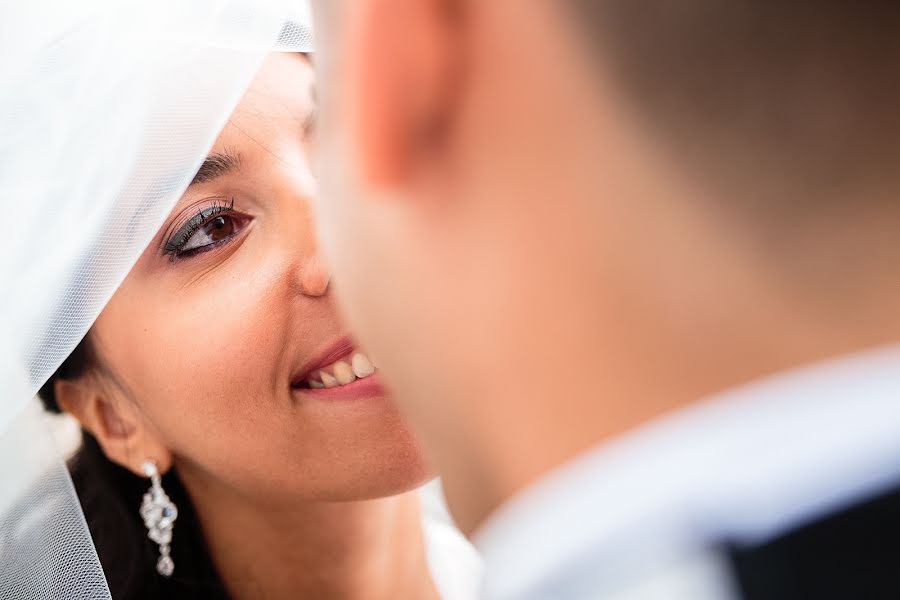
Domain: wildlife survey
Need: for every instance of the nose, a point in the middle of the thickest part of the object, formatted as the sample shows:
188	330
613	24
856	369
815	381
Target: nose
314	277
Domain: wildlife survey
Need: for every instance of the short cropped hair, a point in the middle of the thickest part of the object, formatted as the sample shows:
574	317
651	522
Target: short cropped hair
804	94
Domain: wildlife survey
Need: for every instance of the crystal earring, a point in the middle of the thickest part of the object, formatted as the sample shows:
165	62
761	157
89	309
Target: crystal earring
159	514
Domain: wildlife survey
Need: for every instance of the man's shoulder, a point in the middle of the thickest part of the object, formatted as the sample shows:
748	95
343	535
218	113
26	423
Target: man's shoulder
852	552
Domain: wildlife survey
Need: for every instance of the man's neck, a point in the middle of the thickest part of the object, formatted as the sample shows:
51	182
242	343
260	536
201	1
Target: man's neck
620	397
348	550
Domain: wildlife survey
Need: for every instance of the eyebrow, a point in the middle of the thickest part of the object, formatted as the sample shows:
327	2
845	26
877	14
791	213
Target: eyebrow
216	165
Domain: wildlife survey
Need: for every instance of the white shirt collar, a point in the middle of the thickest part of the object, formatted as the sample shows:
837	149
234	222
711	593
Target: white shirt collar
746	465
455	565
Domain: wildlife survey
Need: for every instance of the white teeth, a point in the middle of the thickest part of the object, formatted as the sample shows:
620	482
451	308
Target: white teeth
358	367
328	380
362	366
343	373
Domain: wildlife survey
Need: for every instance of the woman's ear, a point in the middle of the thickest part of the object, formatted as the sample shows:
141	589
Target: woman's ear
126	438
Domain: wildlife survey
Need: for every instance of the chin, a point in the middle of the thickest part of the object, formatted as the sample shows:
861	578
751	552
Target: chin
400	470
388	479
358	449
404	480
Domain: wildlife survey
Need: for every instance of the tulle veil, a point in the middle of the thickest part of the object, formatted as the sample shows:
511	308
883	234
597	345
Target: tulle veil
107	108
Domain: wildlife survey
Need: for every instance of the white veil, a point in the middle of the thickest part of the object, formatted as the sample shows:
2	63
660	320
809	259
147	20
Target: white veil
107	108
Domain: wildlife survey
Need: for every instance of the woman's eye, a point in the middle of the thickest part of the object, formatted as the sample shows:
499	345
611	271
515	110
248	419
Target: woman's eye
217	229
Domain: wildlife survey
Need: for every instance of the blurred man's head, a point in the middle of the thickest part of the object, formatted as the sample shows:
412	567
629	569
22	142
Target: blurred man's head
555	220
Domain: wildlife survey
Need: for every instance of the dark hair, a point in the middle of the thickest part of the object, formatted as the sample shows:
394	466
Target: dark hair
75	365
795	94
111	496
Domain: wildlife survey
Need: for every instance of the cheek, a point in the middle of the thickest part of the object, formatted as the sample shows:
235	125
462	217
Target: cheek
202	359
210	366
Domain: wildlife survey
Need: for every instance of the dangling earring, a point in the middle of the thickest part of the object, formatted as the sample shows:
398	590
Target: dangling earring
159	514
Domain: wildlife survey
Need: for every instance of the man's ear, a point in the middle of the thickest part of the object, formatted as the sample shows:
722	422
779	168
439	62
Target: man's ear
124	436
403	69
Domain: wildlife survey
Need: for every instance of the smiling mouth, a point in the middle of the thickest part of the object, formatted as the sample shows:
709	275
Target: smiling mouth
339	373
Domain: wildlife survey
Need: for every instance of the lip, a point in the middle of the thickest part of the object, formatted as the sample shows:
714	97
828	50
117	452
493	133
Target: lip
339	349
367	387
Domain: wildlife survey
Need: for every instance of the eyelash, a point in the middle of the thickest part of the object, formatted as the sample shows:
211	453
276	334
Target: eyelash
174	247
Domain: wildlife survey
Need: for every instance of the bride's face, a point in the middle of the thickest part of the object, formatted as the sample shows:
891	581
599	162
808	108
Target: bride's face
221	333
